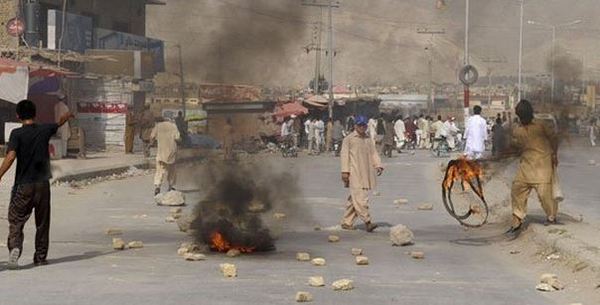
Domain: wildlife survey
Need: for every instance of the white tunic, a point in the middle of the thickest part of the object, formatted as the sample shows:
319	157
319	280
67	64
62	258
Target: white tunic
400	129
475	135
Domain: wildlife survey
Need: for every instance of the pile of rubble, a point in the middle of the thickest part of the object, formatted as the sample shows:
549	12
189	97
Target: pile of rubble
131	172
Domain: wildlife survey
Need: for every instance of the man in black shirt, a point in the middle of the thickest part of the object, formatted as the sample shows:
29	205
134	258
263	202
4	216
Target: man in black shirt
31	191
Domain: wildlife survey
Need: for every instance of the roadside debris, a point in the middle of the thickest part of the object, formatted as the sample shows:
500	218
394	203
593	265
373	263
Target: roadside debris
549	282
279	216
170	219
302	256
333	238
228	270
118	244
303	296
194	257
343	285
135	244
362	260
131	172
172	198
401	201
400	235
425	207
417	254
316	281
357	251
233	253
113	232
318	261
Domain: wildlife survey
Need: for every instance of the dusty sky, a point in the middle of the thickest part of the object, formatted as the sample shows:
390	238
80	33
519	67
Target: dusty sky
261	41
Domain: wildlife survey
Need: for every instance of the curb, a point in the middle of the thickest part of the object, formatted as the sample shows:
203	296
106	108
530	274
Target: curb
568	245
100	171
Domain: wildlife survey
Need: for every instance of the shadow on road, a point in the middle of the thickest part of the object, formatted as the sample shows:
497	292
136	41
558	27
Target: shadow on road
65	259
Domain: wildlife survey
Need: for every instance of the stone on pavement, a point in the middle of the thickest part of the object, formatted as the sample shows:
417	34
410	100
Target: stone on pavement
228	270
544	287
118	244
172	198
318	261
401	201
417	254
551	280
279	216
343	284
425	207
170	219
316	281
194	257
592	162
400	235
303	296
333	238
357	251
302	256
113	232
547	277
135	244
233	253
362	260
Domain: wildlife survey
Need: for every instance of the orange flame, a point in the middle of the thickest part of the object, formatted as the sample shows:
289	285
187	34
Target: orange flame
219	243
464	170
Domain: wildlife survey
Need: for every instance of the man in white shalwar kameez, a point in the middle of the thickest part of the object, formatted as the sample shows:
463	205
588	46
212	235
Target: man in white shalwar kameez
475	135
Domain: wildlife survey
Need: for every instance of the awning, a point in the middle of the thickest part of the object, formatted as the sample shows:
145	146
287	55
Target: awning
317	101
14	80
290	109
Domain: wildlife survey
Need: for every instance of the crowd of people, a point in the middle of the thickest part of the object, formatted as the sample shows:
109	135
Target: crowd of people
398	133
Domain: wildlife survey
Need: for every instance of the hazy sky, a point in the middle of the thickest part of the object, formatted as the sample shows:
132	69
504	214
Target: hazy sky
262	41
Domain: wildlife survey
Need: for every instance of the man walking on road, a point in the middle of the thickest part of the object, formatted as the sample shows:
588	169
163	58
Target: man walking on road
166	135
130	126
146	123
475	135
31	191
538	145
360	163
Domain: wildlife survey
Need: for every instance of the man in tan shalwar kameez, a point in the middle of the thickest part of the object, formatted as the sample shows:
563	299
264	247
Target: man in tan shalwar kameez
538	145
166	135
360	163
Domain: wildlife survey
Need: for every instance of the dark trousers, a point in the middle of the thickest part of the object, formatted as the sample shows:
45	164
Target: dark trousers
26	198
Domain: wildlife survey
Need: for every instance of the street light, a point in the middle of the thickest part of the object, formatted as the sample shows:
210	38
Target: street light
554	27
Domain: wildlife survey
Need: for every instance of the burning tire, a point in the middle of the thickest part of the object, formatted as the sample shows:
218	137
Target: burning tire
469	204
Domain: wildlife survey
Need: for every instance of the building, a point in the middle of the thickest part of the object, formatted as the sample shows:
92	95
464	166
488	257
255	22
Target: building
404	104
110	61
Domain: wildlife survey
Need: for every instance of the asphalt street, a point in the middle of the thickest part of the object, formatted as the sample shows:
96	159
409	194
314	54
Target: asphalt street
460	267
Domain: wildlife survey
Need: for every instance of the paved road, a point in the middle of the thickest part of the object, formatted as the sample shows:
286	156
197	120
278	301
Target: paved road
84	269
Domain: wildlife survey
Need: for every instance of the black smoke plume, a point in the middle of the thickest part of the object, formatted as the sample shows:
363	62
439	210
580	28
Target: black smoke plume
240	202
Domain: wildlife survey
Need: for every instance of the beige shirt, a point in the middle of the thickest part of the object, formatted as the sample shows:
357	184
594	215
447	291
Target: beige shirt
535	141
167	135
359	157
64	132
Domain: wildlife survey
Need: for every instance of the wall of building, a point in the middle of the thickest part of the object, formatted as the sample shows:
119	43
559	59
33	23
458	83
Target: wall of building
101	109
8	10
120	15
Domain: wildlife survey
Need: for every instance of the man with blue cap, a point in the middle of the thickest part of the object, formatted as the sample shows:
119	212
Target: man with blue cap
360	163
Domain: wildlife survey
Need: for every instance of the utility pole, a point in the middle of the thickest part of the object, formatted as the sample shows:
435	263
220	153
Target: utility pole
491	61
315	45
466	61
182	81
429	48
522	2
330	5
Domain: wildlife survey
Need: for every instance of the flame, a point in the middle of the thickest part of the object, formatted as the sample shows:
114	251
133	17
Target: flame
463	169
219	243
